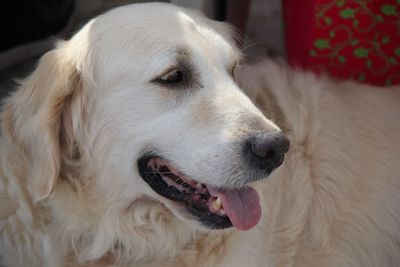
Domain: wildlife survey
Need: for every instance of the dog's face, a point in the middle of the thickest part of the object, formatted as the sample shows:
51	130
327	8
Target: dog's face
160	117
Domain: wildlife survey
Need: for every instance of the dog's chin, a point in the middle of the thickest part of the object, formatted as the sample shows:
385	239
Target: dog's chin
212	207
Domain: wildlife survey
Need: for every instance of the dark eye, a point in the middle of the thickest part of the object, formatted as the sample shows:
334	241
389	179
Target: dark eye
173	76
232	70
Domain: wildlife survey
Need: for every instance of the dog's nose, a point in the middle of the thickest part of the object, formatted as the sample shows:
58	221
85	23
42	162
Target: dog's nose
267	150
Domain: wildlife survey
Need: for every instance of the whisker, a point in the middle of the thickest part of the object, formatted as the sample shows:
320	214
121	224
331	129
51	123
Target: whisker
255	44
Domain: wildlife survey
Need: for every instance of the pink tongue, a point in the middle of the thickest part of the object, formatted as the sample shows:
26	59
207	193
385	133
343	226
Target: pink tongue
242	206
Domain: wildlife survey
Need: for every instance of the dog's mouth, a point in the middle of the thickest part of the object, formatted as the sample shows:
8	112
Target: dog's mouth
214	207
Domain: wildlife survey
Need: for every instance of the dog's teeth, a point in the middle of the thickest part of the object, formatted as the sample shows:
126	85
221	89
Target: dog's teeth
199	186
217	204
222	212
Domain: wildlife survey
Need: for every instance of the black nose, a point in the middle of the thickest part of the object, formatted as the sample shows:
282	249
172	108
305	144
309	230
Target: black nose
267	150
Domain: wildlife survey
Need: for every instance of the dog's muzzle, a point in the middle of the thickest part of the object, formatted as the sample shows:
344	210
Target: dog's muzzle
218	208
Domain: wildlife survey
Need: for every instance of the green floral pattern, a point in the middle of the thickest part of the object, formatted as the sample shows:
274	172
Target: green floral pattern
361	32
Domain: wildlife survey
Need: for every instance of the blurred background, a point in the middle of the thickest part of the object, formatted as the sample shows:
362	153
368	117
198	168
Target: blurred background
347	39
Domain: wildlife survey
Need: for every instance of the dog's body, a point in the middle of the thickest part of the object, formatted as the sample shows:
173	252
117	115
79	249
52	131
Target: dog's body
335	199
74	130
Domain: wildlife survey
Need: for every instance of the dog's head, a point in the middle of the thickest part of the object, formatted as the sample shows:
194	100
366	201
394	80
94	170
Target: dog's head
141	106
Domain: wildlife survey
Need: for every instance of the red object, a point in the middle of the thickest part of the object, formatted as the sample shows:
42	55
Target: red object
348	39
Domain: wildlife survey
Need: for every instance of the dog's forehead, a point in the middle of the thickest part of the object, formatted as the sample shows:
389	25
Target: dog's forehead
142	32
159	21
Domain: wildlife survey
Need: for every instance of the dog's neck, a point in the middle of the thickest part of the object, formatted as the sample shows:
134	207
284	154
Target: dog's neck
147	234
204	250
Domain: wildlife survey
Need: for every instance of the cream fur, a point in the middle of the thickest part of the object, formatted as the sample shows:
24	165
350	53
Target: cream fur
71	195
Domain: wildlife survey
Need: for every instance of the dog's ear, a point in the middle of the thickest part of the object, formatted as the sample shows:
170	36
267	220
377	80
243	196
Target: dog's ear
31	120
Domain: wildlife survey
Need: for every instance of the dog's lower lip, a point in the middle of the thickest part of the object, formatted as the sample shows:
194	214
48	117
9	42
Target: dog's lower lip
193	195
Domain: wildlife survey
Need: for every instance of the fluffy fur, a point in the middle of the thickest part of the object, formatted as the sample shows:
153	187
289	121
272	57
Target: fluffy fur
72	132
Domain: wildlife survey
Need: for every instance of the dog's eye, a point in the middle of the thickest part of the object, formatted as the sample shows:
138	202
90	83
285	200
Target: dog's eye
179	76
232	70
174	76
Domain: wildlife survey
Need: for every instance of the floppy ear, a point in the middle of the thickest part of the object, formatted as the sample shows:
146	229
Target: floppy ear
32	119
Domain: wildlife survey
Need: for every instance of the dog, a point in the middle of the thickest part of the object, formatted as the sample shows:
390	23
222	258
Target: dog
132	144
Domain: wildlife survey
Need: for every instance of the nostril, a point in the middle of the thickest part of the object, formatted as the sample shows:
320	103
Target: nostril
262	150
271	153
265	151
269	146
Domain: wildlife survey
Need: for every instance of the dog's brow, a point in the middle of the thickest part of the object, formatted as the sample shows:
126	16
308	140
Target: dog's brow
182	54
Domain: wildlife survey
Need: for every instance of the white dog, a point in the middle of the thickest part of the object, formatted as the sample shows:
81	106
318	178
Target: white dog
131	145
